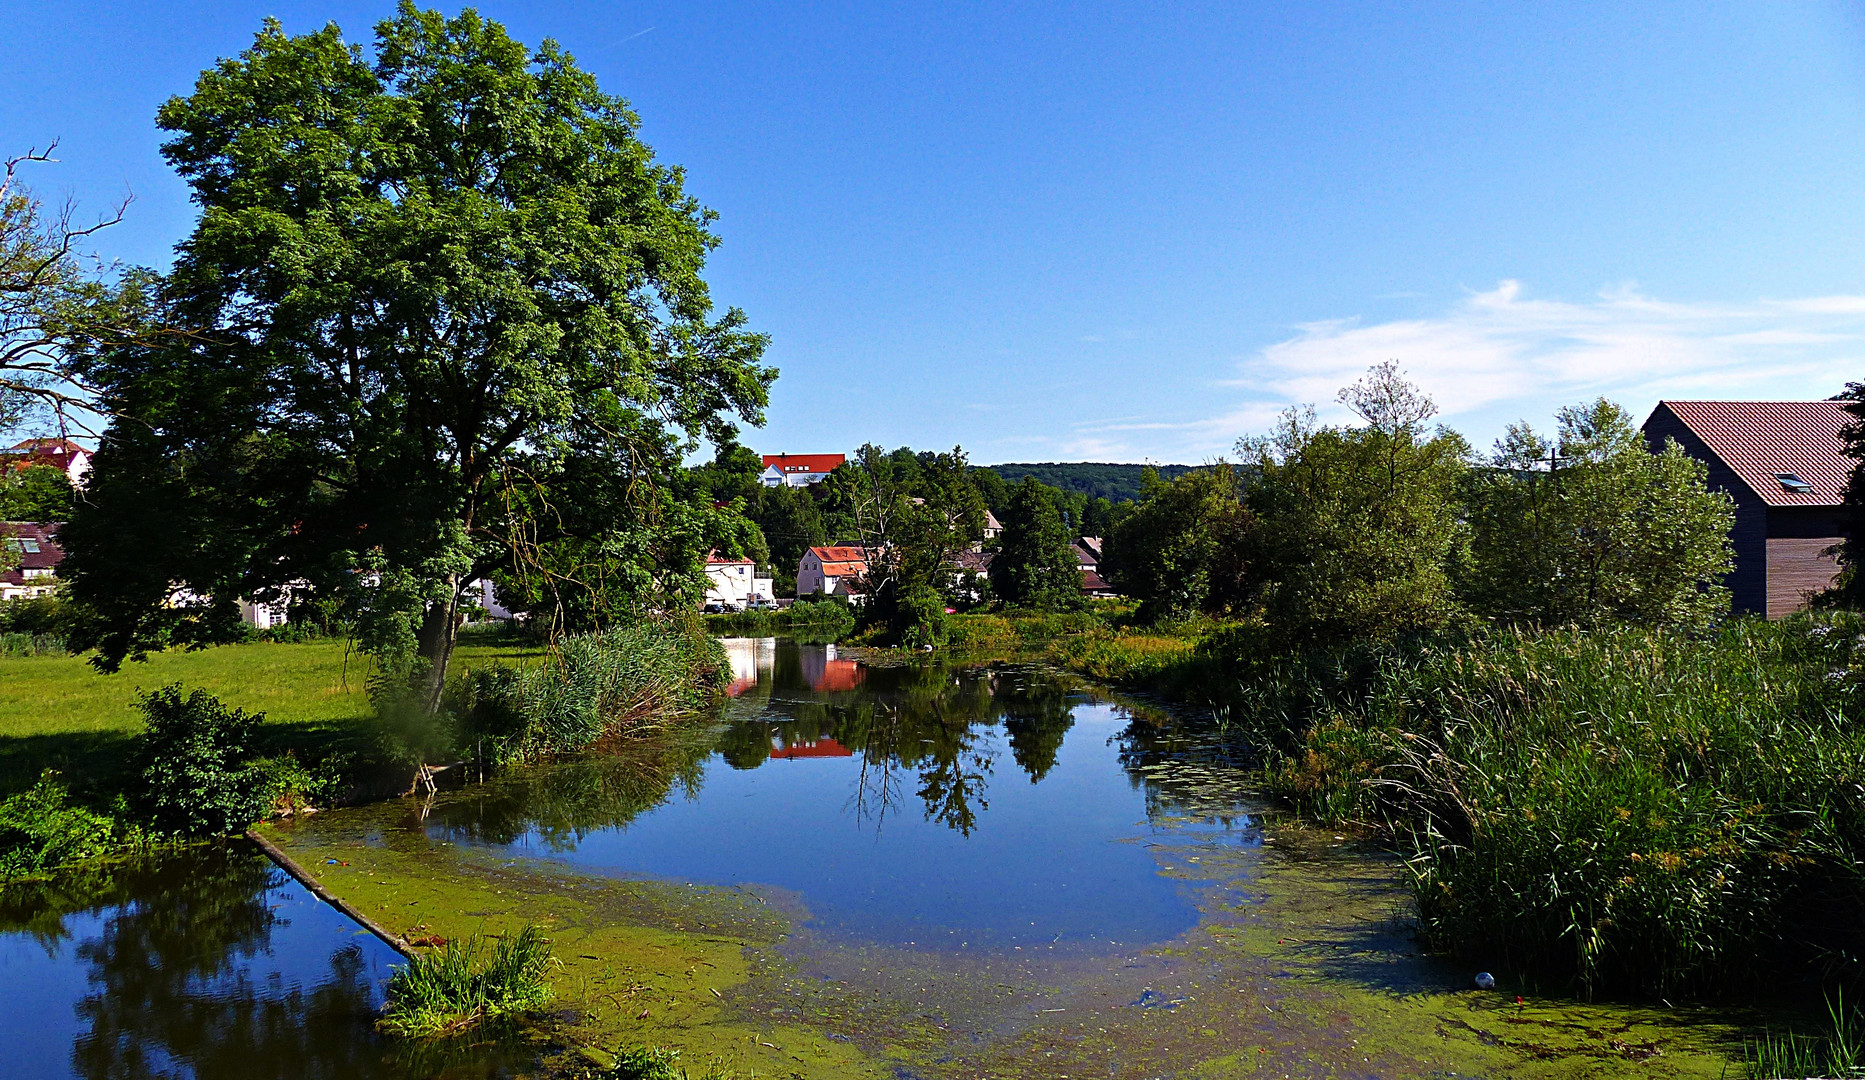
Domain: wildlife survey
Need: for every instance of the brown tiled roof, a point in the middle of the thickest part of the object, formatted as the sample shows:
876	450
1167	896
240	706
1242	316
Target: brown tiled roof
40	539
1093	582
840	554
1758	439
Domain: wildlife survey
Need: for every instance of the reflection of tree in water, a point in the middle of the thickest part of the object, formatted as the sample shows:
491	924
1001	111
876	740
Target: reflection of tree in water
565	801
927	722
1188	767
171	990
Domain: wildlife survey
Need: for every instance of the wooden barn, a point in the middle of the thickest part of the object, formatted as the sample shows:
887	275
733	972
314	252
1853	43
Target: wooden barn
1781	463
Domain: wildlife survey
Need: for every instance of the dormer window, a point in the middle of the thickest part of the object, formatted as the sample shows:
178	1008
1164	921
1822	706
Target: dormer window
1792	482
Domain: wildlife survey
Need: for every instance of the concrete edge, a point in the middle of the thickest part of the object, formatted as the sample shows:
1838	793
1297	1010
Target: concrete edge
290	866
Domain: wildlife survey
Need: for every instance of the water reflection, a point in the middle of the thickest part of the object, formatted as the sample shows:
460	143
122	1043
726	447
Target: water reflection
204	963
985	803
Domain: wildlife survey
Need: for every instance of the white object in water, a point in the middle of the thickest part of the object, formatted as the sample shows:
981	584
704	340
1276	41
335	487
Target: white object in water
1485	981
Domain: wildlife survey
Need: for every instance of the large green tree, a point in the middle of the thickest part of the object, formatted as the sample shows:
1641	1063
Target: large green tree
443	310
35	493
1036	566
911	514
1356	526
1180	551
1591	527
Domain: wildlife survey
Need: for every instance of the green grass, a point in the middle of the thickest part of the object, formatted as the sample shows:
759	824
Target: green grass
446	991
58	712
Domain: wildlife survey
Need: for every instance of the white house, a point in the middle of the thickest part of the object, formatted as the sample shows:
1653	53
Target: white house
736	582
62	454
798	470
34	556
831	571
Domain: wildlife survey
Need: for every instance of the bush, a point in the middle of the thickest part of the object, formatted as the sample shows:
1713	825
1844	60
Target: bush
1635	809
193	781
40	831
445	992
597	685
15	645
815	621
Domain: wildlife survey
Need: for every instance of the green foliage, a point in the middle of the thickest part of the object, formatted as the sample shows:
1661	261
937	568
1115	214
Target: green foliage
792	523
449	991
1181	552
1849	590
651	1063
1036	567
41	831
913	514
1625	809
445	315
193	781
1594	528
1093	479
621	681
1355	528
807	620
35	493
1840	1051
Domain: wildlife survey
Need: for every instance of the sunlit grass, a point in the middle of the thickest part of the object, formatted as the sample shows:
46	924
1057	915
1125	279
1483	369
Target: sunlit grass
452	989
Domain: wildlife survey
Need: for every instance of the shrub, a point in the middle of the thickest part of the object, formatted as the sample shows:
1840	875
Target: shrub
448	991
193	781
597	685
40	831
1633	809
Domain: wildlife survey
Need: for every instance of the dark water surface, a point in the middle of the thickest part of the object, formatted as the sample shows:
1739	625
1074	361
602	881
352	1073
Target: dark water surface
989	807
207	962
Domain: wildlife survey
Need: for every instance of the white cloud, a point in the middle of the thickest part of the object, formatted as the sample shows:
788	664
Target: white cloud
1503	355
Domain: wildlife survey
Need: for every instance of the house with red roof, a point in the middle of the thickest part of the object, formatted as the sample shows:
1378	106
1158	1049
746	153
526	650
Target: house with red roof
1783	464
798	470
736	583
833	570
61	454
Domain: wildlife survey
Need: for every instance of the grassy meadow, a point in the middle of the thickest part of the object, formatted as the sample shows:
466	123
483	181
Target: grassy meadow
59	712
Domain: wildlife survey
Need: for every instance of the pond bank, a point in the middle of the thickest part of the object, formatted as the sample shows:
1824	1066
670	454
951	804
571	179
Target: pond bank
1266	952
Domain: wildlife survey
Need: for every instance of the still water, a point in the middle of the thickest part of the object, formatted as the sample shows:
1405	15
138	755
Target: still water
924	804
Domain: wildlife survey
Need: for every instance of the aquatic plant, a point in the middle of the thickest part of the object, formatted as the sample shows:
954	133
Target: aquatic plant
1625	809
40	830
616	682
1839	1052
651	1063
449	990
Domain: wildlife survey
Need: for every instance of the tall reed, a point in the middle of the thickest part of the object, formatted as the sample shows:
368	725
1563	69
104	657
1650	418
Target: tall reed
447	991
1626	809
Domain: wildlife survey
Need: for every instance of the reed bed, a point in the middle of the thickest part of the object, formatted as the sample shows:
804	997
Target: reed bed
447	991
1625	810
615	683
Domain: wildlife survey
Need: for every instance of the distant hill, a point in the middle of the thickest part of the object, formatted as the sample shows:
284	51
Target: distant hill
1095	479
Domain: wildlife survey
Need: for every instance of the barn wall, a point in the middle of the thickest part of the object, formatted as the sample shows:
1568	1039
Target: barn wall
1748	582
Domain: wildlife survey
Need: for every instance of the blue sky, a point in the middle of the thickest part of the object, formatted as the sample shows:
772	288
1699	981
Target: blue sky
1134	232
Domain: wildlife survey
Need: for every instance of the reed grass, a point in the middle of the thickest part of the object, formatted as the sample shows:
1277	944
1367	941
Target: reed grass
1626	810
444	992
595	686
1837	1052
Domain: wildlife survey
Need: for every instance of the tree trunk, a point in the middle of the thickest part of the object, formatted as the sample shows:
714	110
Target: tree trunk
439	632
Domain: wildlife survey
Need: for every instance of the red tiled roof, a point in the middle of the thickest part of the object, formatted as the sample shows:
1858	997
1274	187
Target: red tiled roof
1758	439
713	558
804	463
40	539
823	747
1093	582
838	561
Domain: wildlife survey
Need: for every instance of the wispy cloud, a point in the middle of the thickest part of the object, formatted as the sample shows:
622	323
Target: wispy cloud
1503	354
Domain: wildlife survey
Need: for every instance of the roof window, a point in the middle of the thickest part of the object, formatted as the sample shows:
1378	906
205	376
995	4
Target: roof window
1792	482
26	546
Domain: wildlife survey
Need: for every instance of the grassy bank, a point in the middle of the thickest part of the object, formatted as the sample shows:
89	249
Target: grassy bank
806	620
58	712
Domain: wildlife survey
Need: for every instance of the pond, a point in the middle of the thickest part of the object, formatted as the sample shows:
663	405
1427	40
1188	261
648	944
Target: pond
907	870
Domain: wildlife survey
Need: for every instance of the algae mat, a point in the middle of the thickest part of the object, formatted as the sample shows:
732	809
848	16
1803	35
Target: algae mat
1300	967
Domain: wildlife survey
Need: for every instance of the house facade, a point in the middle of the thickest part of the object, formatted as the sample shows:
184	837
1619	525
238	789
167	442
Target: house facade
1782	464
798	470
33	556
61	454
736	582
834	570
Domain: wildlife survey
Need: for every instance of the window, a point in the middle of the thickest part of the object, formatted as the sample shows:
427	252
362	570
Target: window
25	546
1792	482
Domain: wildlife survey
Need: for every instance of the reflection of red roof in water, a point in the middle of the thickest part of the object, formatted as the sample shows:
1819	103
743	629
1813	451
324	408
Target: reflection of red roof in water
741	685
838	675
823	747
